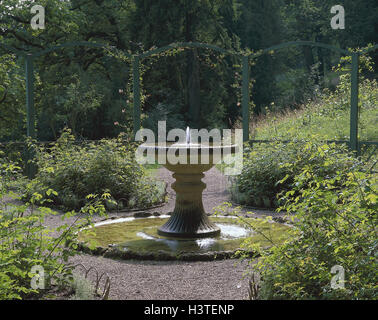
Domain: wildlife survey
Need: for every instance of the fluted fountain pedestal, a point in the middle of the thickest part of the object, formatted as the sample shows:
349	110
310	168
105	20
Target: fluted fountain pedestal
189	219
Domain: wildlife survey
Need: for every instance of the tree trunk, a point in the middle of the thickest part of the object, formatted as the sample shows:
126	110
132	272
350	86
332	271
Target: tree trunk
193	76
194	89
309	57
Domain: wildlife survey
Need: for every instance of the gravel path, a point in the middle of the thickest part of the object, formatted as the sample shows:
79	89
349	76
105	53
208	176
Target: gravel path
173	279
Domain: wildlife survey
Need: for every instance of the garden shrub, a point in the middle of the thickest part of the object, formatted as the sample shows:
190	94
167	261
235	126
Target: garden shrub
263	167
74	171
334	225
26	243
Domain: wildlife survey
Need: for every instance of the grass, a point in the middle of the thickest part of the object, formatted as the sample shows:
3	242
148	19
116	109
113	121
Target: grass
328	117
83	288
152	169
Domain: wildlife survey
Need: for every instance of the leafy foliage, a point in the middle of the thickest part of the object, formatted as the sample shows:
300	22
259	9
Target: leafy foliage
82	87
328	114
12	90
334	224
264	175
326	118
25	242
109	166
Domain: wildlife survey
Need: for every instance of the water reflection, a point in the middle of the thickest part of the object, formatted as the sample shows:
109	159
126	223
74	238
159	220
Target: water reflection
148	242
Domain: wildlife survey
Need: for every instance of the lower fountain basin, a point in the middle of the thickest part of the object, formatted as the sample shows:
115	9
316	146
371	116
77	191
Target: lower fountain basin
138	238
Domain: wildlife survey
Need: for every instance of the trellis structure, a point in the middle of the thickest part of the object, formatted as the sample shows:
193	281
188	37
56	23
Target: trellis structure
136	59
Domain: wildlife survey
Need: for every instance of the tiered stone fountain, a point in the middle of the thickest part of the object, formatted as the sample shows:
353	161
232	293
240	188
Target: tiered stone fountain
189	219
188	234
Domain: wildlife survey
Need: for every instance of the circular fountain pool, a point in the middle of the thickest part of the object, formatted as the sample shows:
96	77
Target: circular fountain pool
138	238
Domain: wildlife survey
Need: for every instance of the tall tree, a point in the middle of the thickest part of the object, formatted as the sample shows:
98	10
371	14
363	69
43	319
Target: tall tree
158	23
260	26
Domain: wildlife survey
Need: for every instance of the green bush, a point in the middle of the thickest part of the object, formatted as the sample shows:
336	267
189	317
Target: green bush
26	243
74	171
334	225
264	175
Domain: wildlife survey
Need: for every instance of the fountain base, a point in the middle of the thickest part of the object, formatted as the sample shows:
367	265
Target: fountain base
186	227
189	219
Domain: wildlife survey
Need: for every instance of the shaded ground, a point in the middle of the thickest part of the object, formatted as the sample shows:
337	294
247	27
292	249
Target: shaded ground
171	280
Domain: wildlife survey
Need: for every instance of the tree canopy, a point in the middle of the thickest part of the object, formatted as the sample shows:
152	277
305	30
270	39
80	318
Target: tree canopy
89	89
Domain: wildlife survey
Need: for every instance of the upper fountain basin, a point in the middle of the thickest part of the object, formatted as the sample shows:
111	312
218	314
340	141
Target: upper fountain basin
203	155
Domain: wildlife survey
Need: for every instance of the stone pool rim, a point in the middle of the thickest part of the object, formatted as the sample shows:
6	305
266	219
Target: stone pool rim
114	252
